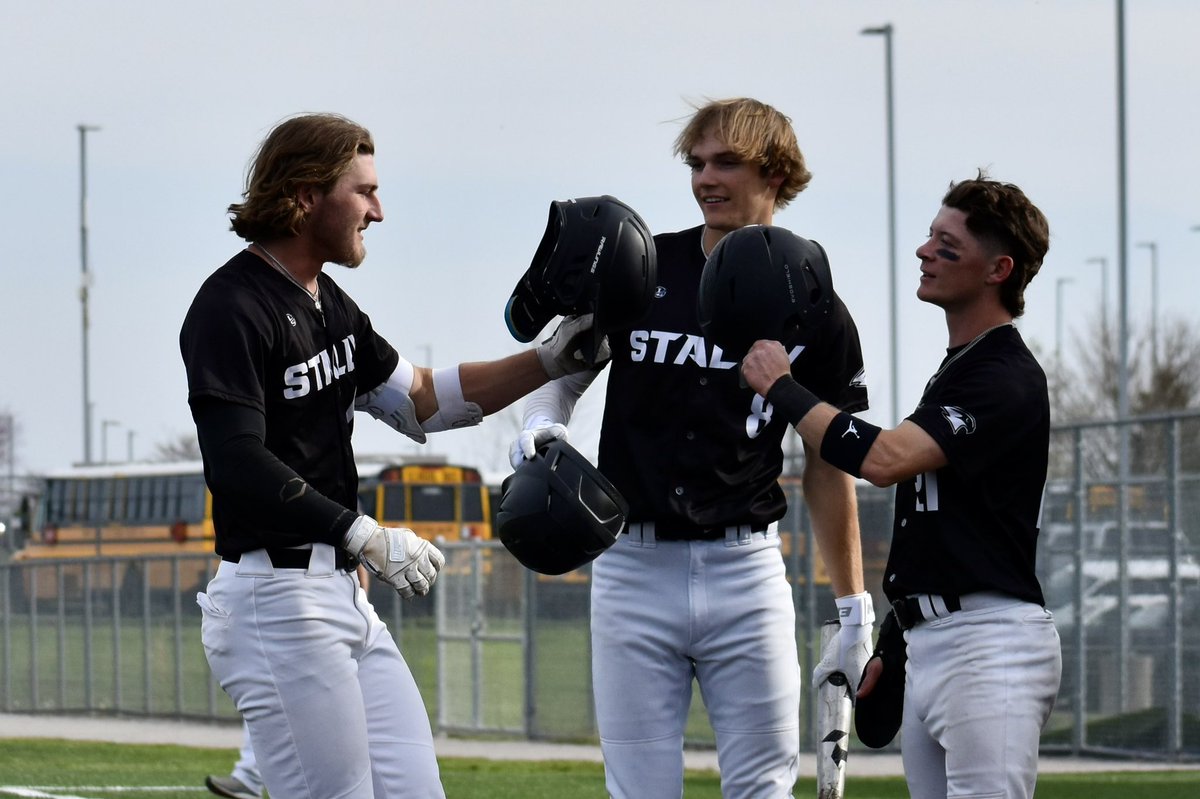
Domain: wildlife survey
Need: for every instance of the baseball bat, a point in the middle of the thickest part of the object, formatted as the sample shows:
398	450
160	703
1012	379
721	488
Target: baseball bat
834	709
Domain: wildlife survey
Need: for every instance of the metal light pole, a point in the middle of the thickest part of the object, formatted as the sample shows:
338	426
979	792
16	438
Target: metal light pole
1058	320
1124	642
104	425
1152	246
886	32
129	444
1122	231
1103	288
84	286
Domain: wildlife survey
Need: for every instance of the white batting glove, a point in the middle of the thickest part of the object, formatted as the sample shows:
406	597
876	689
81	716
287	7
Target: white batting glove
537	434
562	353
852	647
396	555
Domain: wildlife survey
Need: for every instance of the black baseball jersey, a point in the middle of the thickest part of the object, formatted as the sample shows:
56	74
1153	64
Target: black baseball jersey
253	337
683	442
973	524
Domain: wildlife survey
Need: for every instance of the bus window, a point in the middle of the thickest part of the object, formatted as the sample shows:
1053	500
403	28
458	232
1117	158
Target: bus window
119	488
56	493
162	496
472	504
366	501
174	492
394	506
192	496
136	504
77	502
433	503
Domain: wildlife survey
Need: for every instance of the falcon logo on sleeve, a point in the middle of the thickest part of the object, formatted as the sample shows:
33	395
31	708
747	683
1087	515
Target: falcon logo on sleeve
960	421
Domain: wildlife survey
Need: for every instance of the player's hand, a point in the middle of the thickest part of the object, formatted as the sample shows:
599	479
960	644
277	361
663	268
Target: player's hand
396	555
563	353
870	676
766	362
539	433
852	646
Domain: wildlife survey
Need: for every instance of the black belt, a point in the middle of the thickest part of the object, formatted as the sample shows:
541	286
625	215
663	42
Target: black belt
289	558
909	612
686	533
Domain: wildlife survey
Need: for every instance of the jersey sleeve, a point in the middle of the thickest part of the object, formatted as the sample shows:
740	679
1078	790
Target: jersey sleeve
832	367
980	415
224	342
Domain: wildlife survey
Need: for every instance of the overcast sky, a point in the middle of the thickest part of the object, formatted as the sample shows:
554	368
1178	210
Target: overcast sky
484	112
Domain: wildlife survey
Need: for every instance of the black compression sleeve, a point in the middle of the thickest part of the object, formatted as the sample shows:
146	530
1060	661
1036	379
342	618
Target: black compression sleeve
242	471
847	441
791	399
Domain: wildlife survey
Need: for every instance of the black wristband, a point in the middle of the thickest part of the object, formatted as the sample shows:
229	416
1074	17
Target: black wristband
847	441
791	399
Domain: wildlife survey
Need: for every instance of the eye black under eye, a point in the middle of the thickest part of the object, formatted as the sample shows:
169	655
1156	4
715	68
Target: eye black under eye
949	255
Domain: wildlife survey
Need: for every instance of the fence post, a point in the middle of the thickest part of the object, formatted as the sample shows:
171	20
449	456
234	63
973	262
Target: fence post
1079	734
440	633
1175	662
529	606
6	586
87	637
477	629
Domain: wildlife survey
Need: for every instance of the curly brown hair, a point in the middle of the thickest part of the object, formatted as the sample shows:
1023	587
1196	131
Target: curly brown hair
755	132
307	151
1007	223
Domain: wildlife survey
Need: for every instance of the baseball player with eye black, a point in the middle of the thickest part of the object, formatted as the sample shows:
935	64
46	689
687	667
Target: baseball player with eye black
969	466
694	588
278	360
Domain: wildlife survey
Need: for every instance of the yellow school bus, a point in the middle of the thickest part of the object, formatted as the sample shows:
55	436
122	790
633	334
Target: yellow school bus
434	500
133	516
121	510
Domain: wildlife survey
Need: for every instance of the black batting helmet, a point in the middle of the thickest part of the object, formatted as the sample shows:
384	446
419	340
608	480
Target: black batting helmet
763	282
597	256
557	512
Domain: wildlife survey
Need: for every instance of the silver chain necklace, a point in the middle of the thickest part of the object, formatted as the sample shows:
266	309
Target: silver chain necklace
961	353
315	296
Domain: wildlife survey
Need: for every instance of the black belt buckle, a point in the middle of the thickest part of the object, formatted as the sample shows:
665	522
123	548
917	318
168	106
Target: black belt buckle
909	614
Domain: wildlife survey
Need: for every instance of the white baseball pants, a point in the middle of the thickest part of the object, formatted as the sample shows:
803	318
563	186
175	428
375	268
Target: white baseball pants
979	688
331	706
665	612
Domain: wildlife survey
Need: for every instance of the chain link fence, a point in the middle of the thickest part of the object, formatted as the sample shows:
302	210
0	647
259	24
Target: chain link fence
498	650
1118	559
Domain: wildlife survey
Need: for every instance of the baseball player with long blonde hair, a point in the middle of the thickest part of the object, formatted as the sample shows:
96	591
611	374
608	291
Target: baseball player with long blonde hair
278	360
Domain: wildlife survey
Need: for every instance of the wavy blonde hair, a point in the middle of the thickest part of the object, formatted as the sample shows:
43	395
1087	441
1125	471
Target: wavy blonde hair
307	151
756	133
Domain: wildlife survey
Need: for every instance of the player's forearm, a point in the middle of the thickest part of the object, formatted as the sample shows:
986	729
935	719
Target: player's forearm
829	494
494	385
854	445
242	471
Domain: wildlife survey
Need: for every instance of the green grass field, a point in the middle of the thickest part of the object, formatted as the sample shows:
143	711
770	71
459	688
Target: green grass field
82	770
